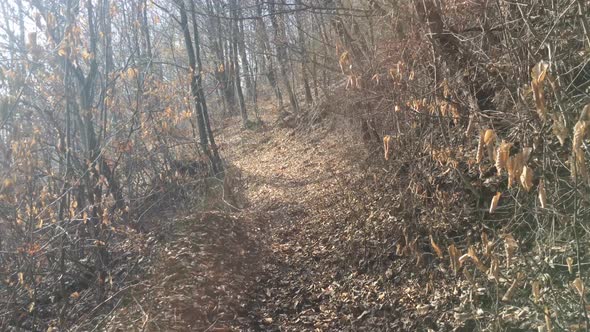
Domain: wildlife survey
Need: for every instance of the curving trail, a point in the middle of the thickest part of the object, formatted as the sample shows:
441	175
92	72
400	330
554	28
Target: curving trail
294	258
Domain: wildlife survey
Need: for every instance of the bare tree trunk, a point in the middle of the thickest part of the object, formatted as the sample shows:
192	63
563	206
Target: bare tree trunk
304	78
236	64
244	58
217	166
280	38
195	85
267	60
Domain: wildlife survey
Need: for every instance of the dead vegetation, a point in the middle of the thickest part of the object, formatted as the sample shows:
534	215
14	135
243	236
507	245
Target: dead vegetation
437	178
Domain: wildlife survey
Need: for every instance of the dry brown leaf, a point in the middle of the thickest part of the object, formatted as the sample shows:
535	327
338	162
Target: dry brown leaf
578	285
386	145
526	178
436	248
495	201
585	114
580	130
343	61
542	194
514	167
538	74
475	259
577	160
454	258
489	137
578	167
502	156
559	129
548	325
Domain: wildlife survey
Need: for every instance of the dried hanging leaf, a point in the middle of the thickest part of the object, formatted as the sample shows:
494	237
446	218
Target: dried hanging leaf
548	325
526	178
558	128
343	61
580	130
490	141
454	258
510	247
536	285
495	201
585	114
578	285
473	256
510	292
539	71
131	73
578	167
570	265
514	168
502	155
489	137
577	160
436	248
386	142
510	170
538	74
542	194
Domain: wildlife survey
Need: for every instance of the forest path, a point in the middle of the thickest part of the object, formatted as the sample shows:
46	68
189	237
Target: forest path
289	260
295	184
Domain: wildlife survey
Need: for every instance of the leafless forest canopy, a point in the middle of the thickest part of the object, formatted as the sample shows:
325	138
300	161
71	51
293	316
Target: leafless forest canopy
427	164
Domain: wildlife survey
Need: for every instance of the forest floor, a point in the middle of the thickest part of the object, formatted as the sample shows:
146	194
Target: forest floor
290	259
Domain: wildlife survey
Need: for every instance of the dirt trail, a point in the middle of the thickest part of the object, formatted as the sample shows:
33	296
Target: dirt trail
294	258
297	184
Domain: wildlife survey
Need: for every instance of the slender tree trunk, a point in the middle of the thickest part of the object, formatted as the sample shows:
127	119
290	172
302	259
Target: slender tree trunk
221	68
236	64
281	43
202	98
304	78
267	60
244	58
195	87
